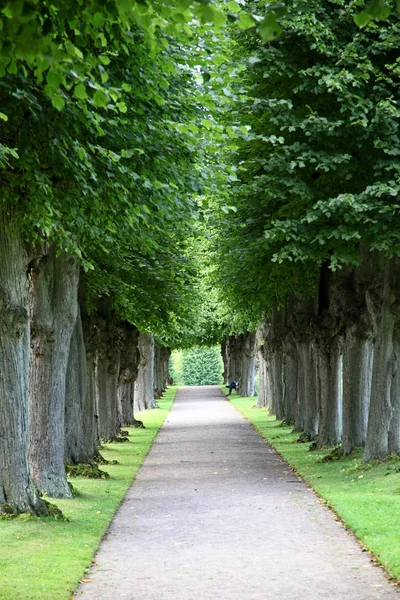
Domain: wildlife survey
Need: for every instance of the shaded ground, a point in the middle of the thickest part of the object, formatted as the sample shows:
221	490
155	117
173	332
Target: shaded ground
214	514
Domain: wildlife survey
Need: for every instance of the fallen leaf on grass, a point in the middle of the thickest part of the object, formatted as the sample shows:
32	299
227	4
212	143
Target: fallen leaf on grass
84	580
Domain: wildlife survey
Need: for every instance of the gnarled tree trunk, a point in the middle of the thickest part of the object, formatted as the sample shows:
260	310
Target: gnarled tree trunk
144	393
54	307
16	486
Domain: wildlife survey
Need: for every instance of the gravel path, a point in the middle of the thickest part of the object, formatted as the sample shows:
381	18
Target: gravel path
215	514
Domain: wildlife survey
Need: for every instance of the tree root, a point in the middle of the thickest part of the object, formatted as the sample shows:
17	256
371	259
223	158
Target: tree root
335	454
45	509
90	470
304	438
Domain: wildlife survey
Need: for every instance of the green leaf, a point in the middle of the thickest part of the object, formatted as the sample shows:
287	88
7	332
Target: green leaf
122	107
245	21
3	116
100	99
362	18
80	91
58	102
233	6
7	12
270	28
54	78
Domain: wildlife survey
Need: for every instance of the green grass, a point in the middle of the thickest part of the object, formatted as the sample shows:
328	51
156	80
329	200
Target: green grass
365	497
43	559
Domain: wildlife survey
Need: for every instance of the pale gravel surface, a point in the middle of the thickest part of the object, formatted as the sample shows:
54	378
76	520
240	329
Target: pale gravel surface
214	514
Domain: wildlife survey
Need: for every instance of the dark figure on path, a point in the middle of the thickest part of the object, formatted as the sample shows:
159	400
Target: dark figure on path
232	386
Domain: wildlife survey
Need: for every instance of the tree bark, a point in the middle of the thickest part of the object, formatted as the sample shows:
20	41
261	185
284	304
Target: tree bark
90	331
17	490
329	374
381	434
107	372
308	391
394	430
224	344
161	370
290	379
54	307
75	395
234	357
128	372
246	381
277	362
144	394
264	383
357	366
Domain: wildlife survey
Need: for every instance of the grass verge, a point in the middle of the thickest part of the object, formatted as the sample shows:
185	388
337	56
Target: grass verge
366	497
43	559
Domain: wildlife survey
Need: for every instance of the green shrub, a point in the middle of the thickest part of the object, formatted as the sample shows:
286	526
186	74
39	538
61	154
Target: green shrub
197	366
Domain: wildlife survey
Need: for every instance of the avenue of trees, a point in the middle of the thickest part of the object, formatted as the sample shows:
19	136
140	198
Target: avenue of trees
179	174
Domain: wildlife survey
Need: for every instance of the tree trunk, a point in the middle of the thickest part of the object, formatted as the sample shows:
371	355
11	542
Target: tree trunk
225	361
246	382
357	366
128	372
17	490
329	375
394	430
384	390
54	307
161	370
144	395
107	374
264	383
234	357
90	333
290	378
308	391
277	362
75	394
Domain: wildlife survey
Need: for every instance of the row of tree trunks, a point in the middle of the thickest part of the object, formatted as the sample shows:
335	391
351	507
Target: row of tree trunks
238	355
331	367
67	377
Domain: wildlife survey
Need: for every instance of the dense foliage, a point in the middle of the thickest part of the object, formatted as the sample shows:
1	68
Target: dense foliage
318	171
